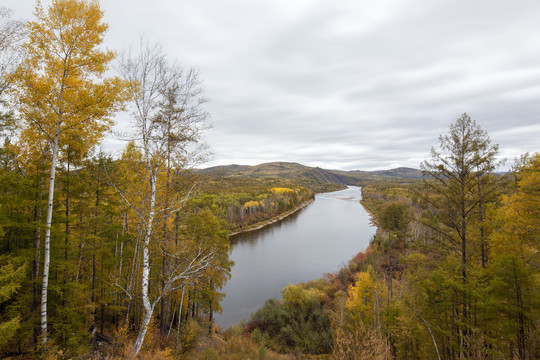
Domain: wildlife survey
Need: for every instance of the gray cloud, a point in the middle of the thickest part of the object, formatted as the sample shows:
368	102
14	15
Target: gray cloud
347	84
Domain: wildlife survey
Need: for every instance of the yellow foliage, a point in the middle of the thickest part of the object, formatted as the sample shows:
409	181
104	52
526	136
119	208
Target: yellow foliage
59	87
366	297
298	295
251	203
282	190
519	216
361	294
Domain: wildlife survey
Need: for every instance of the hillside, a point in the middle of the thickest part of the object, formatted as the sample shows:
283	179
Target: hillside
311	177
401	173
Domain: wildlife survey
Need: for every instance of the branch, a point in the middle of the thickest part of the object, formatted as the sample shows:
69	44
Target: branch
122	194
124	290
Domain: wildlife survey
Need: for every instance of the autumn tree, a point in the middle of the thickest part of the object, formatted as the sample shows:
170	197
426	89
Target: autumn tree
465	158
514	285
60	90
395	221
362	336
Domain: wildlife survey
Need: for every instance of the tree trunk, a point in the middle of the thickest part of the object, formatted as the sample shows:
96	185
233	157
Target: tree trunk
47	239
147	305
463	236
66	235
165	220
211	308
142	332
96	214
390	264
66	240
37	246
180	309
431	334
37	242
520	317
483	247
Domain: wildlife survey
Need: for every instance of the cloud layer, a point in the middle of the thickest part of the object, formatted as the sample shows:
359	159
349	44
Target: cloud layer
347	84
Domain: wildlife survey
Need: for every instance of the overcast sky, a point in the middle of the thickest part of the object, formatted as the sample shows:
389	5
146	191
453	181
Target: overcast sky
345	84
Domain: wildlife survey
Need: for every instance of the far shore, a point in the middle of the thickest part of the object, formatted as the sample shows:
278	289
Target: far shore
274	220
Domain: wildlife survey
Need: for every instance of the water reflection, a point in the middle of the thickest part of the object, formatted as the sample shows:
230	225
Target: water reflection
255	236
315	240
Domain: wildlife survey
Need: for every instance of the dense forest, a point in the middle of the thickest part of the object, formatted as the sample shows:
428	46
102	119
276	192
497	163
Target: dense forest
106	256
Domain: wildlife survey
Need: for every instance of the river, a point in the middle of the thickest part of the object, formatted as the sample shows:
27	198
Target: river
318	239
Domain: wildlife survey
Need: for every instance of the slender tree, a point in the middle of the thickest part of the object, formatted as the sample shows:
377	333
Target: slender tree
168	121
451	187
60	89
394	220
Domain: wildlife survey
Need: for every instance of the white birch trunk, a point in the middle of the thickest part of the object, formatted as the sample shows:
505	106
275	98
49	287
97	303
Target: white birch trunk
180	309
147	304
142	331
432	337
47	239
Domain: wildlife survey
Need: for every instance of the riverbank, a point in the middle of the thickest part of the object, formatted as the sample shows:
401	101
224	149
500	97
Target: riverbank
370	210
271	221
301	248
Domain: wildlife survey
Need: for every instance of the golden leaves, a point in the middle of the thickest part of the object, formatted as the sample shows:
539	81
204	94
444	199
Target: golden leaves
60	87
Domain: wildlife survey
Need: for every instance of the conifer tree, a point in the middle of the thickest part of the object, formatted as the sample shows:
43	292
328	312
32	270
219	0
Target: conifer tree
451	187
12	272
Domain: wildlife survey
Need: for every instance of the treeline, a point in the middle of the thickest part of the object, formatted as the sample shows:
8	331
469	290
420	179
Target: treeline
96	259
452	272
247	202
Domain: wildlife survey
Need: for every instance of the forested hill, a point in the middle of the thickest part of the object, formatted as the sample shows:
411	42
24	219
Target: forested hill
309	176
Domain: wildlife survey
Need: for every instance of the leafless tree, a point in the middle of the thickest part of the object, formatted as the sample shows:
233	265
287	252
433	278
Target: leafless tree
12	32
168	119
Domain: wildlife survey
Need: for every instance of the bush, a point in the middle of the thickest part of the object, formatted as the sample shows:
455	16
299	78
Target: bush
189	335
299	322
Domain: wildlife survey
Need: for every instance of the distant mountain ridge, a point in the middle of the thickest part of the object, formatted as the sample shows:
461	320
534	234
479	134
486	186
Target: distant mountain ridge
401	173
295	171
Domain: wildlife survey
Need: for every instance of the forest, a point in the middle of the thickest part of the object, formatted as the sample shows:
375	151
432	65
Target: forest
112	257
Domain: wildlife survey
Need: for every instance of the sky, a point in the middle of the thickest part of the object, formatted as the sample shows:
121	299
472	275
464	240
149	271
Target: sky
344	84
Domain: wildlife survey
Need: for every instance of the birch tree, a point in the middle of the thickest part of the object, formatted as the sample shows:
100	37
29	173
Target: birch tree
60	90
168	120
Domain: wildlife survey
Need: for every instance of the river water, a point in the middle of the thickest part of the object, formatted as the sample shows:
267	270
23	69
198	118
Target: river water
317	239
